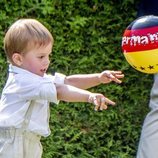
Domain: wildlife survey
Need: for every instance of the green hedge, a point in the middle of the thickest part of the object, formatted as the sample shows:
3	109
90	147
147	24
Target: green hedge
87	37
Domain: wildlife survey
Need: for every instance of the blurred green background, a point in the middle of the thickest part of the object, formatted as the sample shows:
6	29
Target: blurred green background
87	37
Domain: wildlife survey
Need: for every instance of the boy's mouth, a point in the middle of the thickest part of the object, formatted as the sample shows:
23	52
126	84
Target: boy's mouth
43	70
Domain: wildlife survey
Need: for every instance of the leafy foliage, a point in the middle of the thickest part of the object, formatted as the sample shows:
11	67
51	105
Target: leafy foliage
87	40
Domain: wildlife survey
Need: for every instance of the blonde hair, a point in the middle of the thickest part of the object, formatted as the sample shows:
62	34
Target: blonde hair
25	34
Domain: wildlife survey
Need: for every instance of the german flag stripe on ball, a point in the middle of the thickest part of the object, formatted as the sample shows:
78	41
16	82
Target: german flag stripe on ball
142	61
140	39
144	22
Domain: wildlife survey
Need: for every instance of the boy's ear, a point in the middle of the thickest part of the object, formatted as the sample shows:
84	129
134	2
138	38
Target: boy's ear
17	59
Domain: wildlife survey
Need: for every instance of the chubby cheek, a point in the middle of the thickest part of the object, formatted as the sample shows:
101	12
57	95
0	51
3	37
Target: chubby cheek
33	66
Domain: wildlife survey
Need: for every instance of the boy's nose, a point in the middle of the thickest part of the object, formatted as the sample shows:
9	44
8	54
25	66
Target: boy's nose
47	62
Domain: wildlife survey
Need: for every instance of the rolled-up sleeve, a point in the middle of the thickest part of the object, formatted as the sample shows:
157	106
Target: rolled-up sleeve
47	91
59	78
43	88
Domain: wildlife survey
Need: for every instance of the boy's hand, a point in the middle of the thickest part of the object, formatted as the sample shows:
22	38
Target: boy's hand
107	76
100	101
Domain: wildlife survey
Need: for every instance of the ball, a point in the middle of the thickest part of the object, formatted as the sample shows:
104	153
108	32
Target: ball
140	44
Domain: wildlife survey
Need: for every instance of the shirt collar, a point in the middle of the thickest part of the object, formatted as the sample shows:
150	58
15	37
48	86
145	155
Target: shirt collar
18	70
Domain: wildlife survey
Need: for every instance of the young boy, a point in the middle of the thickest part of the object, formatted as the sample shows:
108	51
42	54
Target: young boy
24	108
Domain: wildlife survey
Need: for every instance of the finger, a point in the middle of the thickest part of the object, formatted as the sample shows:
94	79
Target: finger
116	80
96	107
96	103
116	72
103	106
119	75
108	101
115	77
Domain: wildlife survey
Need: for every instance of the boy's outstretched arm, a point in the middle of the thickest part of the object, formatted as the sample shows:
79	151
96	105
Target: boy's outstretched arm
73	94
85	81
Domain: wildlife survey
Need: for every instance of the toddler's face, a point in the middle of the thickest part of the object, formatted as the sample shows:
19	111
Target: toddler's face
37	60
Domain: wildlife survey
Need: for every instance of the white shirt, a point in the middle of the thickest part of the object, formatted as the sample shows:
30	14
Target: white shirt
21	87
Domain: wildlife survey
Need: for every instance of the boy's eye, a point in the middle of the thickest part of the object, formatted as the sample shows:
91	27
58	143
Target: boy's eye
41	57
